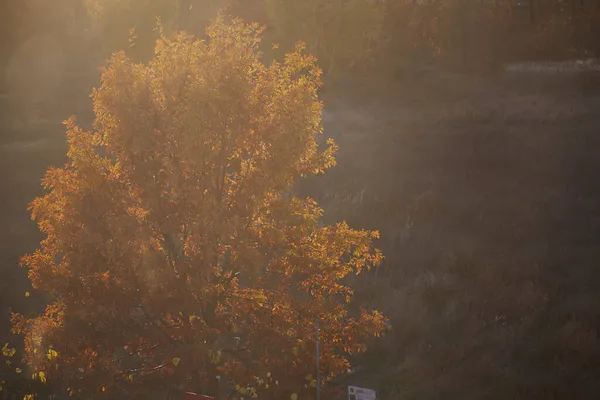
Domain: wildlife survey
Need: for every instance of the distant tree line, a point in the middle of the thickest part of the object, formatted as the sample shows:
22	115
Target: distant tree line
457	33
489	33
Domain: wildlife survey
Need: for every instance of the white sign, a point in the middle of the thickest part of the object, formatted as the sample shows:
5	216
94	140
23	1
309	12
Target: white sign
356	393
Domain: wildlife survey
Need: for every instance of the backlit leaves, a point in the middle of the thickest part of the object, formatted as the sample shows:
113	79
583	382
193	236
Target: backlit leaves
175	247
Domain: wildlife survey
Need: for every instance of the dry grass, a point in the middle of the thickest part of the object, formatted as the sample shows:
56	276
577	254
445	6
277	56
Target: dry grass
469	190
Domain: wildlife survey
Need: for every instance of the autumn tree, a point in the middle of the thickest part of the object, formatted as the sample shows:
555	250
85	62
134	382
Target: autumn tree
175	248
339	33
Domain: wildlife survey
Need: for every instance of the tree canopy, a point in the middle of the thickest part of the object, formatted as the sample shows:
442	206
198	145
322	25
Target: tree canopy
175	249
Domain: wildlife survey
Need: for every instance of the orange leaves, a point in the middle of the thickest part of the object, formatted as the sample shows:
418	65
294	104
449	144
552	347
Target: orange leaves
332	252
173	231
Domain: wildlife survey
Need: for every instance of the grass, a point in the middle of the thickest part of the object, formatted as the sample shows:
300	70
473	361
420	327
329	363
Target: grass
475	193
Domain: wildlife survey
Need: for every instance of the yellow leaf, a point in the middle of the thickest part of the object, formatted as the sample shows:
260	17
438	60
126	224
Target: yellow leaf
42	376
18	370
52	354
294	396
27	294
175	360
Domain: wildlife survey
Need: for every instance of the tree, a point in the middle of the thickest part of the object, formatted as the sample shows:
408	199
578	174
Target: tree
175	249
338	32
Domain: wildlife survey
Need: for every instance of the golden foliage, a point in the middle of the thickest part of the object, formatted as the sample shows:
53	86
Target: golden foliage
173	228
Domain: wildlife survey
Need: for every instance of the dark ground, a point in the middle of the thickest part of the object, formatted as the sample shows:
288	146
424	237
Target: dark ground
486	195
